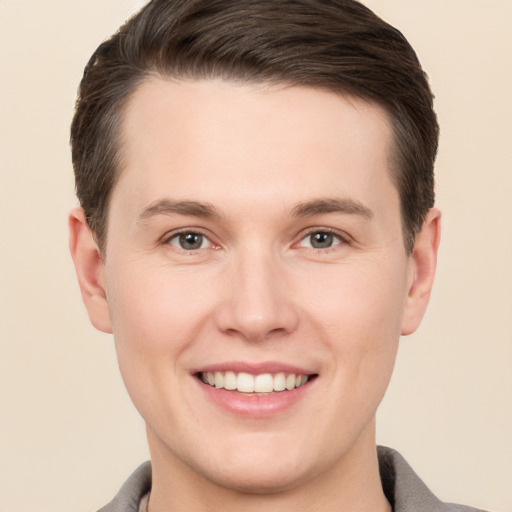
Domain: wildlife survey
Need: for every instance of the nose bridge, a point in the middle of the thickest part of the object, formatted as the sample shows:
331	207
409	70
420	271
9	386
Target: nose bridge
258	304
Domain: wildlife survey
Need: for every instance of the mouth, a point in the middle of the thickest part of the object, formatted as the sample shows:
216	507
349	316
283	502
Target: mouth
256	385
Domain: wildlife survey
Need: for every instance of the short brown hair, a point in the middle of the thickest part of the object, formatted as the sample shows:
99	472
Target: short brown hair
338	45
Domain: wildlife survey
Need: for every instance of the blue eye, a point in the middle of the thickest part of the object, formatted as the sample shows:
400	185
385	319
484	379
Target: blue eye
321	240
189	241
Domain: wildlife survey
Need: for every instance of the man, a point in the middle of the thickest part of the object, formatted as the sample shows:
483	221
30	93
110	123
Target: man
257	229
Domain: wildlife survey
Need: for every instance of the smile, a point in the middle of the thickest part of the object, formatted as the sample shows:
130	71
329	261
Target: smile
247	383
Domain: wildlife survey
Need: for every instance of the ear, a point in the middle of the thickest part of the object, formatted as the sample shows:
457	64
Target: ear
90	270
422	268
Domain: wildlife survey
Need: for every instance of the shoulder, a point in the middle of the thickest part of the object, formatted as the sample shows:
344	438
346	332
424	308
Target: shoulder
405	490
131	493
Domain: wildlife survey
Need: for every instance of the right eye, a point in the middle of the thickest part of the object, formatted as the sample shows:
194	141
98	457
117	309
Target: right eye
189	241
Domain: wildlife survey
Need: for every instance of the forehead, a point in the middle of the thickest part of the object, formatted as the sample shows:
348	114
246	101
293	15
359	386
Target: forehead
191	138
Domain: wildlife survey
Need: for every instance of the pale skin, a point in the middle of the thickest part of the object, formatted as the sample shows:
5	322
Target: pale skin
256	226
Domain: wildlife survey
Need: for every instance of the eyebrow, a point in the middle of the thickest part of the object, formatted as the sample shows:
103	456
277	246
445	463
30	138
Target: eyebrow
331	205
208	211
189	208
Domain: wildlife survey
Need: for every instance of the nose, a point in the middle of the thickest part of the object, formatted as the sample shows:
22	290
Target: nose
257	304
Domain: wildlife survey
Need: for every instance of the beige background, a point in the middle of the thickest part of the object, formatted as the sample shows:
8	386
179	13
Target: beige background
68	434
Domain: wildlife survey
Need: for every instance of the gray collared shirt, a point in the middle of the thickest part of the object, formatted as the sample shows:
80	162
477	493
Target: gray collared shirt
403	488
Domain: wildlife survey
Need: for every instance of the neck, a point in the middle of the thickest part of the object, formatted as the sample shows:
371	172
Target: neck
351	484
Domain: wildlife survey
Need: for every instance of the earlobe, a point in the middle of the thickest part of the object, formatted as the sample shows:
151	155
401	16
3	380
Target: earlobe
422	268
90	270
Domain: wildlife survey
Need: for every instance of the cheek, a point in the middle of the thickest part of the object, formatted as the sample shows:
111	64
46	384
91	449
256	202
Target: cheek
359	314
362	299
154	320
154	309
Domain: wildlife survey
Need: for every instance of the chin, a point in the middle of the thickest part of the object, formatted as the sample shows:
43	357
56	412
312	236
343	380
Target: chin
261	464
258	478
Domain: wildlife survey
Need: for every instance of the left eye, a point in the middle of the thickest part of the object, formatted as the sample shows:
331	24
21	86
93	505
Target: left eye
320	240
189	241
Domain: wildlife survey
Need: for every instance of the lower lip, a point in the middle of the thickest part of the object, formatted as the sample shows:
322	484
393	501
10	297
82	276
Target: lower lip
254	406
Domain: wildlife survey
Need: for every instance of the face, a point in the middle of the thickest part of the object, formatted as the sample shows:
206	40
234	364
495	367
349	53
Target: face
255	277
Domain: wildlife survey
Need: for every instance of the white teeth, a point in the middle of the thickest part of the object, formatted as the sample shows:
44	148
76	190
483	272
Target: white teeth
279	382
247	383
264	383
230	380
219	379
290	382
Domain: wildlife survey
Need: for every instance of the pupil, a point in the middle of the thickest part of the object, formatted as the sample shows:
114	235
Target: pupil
321	240
190	241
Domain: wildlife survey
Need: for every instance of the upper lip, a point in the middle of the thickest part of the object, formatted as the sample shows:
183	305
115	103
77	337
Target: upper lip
253	368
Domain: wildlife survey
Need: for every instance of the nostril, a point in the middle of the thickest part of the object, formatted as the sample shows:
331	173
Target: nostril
256	308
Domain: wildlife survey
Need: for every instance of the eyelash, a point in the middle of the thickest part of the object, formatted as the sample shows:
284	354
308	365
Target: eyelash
339	239
168	239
